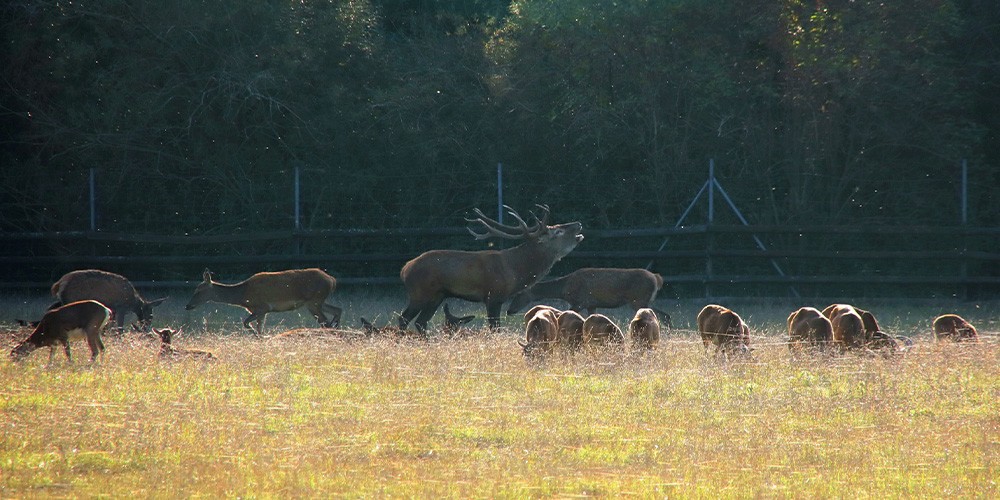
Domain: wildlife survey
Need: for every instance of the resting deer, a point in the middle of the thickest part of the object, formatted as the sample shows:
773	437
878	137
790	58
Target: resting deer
487	276
74	321
273	292
452	325
113	290
169	352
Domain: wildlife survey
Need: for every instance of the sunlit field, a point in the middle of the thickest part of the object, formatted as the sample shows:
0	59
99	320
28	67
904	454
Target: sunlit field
466	417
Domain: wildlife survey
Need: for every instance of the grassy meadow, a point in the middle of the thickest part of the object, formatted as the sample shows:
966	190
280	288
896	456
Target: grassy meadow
470	418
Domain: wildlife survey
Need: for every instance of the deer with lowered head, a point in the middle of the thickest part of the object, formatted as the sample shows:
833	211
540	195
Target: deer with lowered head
452	325
113	290
644	329
74	321
268	292
487	276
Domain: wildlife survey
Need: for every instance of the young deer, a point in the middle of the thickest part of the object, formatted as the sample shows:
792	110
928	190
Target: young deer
74	321
169	352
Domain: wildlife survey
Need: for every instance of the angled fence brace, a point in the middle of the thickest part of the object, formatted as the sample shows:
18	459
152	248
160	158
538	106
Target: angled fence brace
711	184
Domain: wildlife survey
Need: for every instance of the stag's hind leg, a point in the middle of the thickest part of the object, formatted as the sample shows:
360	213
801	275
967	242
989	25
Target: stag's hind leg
334	311
96	345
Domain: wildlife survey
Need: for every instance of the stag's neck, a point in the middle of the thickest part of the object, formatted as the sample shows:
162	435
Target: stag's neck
229	294
532	261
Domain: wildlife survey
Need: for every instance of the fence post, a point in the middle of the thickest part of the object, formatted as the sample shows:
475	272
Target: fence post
709	237
298	210
965	235
93	200
500	192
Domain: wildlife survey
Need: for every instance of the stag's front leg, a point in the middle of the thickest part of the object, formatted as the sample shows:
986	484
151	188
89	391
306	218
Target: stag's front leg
493	310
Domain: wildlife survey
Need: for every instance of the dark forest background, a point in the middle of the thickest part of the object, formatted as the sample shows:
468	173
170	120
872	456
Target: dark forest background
194	113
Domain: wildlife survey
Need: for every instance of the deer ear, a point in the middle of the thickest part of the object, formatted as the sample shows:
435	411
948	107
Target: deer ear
206	275
154	303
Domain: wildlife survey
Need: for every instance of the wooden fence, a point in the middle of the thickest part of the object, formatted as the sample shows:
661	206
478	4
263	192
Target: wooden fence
695	261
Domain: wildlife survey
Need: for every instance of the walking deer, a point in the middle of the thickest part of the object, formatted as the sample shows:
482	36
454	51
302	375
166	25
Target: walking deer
273	292
487	276
113	290
74	321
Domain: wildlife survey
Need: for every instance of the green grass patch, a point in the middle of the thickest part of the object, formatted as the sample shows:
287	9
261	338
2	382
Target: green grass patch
469	418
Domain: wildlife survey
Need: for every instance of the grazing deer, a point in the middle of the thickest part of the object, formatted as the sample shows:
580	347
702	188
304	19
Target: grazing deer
644	329
590	288
113	290
452	325
273	292
954	328
870	336
598	329
488	276
724	329
541	333
77	320
570	329
169	352
849	332
808	326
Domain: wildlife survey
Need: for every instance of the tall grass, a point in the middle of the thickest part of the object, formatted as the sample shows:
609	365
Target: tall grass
469	417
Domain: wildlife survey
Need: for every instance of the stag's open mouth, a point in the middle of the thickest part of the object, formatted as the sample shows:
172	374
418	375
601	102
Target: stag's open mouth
579	238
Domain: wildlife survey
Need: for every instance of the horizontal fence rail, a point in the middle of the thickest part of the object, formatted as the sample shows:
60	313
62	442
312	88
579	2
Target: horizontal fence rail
697	260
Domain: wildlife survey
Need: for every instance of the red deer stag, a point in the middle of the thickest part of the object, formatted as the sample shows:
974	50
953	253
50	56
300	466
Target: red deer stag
273	292
488	276
808	327
644	330
169	352
541	333
954	328
725	330
599	330
113	290
591	288
77	320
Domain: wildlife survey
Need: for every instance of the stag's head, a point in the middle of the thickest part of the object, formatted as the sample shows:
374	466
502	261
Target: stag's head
557	240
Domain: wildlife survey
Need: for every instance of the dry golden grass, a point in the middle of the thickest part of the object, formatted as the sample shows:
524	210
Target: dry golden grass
470	418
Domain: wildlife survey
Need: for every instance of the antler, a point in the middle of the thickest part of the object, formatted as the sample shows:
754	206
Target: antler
494	228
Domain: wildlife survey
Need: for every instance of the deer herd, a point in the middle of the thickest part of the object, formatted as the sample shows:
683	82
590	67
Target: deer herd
88	300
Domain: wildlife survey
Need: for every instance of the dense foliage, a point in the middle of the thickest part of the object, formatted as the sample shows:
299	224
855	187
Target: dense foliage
195	114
